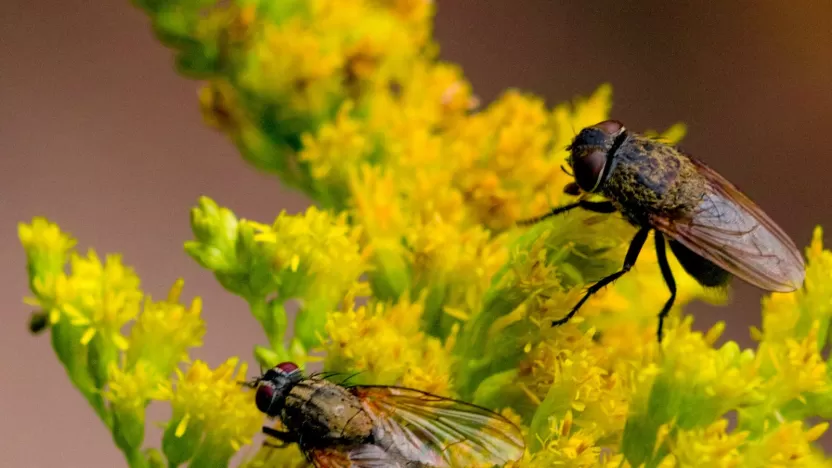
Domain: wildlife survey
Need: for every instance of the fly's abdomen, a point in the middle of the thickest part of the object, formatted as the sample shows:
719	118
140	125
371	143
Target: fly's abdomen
323	411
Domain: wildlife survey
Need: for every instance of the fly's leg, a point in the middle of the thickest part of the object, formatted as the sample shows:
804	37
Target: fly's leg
629	260
285	437
667	274
595	207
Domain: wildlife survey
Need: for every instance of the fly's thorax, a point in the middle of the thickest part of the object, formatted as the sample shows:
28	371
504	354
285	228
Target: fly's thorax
647	177
321	410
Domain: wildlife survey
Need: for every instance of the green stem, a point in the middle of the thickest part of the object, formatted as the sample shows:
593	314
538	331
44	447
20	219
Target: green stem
135	458
97	402
272	317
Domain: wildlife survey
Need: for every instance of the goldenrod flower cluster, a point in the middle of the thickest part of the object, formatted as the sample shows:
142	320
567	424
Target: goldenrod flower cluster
87	304
410	269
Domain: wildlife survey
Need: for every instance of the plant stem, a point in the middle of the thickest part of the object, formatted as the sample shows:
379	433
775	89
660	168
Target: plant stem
135	458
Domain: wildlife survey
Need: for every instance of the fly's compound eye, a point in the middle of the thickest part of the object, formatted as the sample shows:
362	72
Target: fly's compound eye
610	127
264	398
287	368
589	170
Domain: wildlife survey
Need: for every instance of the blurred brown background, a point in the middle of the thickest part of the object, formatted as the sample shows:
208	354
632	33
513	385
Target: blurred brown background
98	133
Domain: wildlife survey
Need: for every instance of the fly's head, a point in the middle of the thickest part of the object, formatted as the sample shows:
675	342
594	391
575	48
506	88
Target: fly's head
591	152
274	385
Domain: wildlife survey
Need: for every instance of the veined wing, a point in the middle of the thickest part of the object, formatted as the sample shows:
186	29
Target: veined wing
437	431
355	456
731	231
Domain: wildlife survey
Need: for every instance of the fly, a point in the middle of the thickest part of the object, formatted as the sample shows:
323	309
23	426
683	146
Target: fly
365	426
713	229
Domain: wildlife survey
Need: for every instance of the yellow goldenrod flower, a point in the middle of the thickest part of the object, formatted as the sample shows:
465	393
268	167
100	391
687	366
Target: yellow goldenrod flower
431	95
787	445
45	245
108	297
335	149
787	315
51	294
499	188
384	343
711	446
213	414
164	331
377	205
455	266
47	251
314	254
691	385
794	369
301	64
727	376
567	446
376	202
129	392
568	374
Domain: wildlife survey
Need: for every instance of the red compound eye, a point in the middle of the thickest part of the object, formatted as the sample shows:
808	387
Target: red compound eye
286	368
611	127
264	397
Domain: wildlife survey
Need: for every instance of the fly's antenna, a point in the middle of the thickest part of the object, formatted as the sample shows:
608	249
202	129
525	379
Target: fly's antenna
250	383
254	380
565	170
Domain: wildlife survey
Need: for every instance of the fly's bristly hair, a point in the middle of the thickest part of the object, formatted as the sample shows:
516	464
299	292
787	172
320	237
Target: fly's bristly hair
324	375
346	383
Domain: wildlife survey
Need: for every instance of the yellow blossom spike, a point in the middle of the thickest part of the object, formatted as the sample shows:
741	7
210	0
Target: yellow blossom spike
214	402
392	348
309	245
165	330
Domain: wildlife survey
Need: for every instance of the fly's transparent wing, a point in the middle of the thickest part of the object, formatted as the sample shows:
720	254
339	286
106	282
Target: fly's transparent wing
355	456
731	231
438	432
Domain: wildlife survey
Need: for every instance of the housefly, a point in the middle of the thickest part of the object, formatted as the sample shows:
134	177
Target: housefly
364	426
714	230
